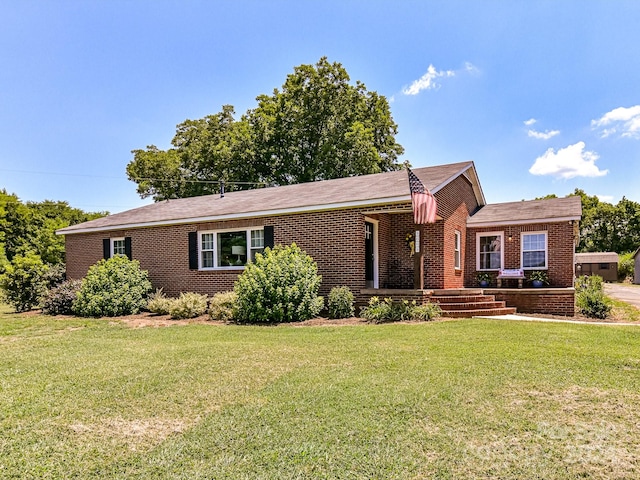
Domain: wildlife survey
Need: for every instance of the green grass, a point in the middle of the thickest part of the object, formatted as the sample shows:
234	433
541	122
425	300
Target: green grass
457	399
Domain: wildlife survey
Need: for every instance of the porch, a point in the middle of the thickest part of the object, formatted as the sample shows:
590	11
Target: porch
468	302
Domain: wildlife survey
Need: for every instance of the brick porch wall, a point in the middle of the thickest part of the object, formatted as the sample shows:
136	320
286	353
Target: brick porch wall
551	301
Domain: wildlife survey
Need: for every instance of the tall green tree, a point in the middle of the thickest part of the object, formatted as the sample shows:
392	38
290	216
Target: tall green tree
30	227
606	227
318	126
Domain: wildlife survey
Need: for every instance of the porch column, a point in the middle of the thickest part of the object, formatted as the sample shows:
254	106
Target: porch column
418	271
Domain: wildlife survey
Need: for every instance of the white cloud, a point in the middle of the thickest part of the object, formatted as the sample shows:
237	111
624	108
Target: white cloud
471	68
427	81
568	162
530	122
546	135
605	198
621	119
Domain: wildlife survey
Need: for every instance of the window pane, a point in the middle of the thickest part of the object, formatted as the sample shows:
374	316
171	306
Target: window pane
232	249
534	250
118	247
490	252
207	241
257	238
207	259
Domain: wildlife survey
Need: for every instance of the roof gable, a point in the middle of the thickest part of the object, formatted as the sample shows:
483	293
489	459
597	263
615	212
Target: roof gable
364	190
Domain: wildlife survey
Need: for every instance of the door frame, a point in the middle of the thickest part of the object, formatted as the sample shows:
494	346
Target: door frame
376	262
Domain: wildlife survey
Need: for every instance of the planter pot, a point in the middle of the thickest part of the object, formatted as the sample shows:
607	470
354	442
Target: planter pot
537	283
484	283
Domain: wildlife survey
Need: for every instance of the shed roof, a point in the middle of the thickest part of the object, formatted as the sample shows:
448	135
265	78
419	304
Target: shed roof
531	211
597	257
364	190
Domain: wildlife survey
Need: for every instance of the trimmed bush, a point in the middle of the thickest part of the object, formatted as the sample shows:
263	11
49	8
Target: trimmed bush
112	288
159	303
590	298
221	306
340	303
280	286
188	305
24	282
425	312
59	300
626	267
56	275
389	311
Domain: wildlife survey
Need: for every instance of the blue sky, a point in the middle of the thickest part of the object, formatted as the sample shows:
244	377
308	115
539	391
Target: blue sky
544	96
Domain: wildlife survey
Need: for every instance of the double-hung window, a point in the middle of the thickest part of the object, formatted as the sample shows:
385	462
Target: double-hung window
456	250
534	250
118	247
490	251
229	248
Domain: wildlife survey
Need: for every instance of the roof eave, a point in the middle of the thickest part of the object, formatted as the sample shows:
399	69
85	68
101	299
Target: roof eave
475	183
240	216
499	223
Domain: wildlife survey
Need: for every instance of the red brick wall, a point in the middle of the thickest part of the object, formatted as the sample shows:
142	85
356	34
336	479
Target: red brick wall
550	302
334	239
560	246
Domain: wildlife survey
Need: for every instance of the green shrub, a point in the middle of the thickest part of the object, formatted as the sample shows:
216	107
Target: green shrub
389	311
425	312
112	288
590	298
280	286
222	305
626	267
188	305
56	275
159	303
24	283
59	300
340	303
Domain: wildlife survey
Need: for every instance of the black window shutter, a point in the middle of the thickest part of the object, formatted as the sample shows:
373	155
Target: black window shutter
106	248
193	250
127	247
268	236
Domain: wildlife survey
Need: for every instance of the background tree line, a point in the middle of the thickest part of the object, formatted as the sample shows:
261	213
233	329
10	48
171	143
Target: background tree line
28	228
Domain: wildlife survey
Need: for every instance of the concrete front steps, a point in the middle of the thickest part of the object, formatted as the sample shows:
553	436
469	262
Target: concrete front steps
466	303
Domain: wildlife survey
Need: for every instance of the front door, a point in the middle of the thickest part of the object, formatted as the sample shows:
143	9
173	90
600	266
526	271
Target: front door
369	255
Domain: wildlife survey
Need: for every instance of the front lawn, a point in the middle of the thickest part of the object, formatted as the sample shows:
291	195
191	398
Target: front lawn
86	398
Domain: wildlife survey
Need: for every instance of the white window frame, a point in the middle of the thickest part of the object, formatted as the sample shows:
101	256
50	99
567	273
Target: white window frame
457	251
546	249
249	248
113	241
489	234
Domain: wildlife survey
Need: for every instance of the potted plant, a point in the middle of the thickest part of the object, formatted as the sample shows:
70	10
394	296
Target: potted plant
539	278
484	278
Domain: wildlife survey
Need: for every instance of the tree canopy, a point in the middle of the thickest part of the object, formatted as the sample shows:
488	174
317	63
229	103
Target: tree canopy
606	227
318	126
30	227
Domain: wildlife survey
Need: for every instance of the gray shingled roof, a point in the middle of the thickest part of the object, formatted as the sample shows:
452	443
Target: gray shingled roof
531	211
363	190
597	257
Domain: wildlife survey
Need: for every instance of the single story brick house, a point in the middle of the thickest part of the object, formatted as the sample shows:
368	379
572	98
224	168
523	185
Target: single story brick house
360	231
604	264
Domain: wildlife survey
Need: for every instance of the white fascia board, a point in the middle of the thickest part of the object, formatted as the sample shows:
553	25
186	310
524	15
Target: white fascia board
521	222
238	216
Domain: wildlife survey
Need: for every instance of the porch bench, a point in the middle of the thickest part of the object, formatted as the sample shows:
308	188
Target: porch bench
514	273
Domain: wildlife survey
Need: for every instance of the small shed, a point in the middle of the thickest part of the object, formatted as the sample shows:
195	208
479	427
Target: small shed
604	264
636	275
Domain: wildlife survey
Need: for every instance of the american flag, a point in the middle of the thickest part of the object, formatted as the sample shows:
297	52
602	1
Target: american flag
424	203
